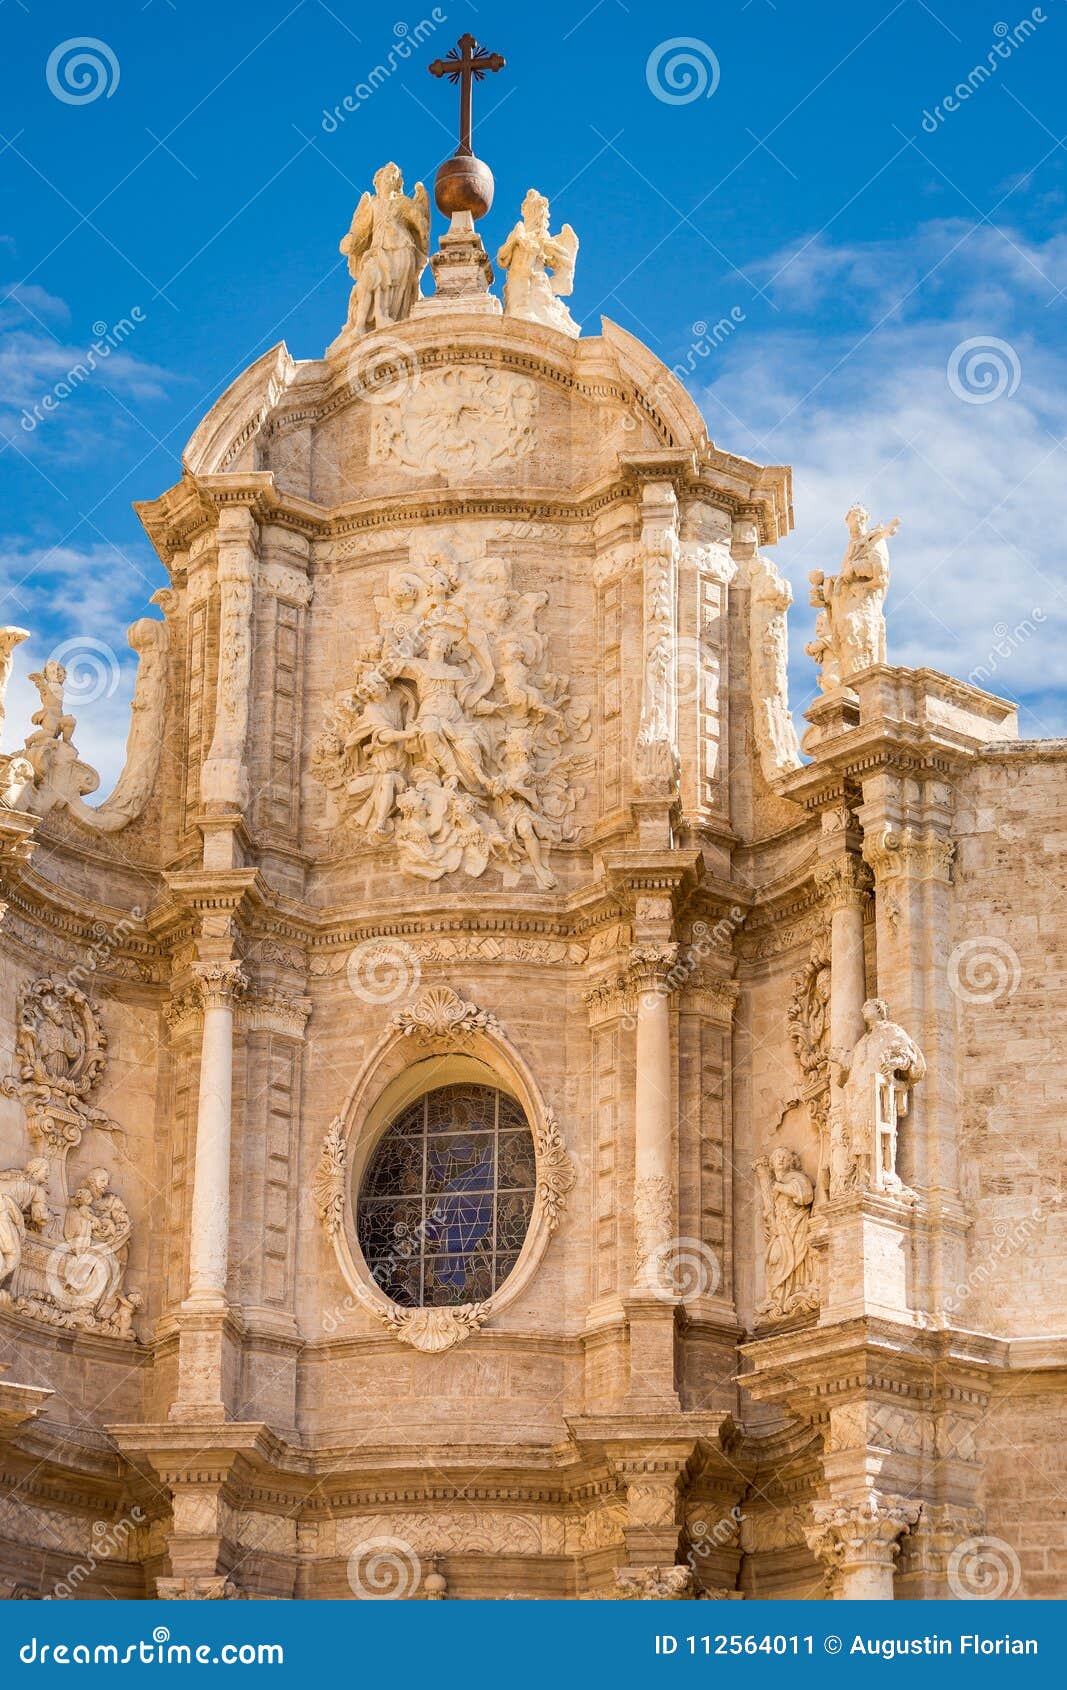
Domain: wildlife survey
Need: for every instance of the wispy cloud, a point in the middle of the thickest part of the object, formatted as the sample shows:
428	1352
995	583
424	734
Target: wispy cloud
869	411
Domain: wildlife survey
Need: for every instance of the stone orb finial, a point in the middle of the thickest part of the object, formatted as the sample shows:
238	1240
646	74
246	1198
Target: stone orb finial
463	183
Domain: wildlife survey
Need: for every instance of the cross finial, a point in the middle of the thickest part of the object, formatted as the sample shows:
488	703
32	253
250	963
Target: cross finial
465	63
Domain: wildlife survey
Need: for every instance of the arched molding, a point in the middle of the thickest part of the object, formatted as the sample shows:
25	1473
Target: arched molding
394	1075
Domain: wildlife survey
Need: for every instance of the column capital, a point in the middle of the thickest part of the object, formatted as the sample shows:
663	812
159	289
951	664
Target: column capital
866	1534
219	984
844	882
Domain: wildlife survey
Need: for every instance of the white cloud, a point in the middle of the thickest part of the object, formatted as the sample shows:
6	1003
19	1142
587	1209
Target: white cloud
49	381
869	413
82	599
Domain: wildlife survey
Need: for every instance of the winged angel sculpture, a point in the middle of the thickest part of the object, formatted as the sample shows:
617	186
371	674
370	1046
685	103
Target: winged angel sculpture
453	741
387	248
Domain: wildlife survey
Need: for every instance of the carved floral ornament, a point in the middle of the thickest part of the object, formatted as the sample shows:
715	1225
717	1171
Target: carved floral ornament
440	1020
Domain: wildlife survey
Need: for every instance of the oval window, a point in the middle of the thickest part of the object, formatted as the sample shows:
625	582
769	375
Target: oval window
446	1200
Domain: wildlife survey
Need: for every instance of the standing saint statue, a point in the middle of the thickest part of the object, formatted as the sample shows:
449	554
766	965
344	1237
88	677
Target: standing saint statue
875	1082
850	627
387	249
528	255
787	1195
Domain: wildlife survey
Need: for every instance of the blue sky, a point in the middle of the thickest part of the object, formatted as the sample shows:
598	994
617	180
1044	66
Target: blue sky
895	268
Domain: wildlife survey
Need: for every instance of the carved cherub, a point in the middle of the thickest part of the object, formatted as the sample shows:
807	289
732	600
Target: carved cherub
51	719
528	255
387	249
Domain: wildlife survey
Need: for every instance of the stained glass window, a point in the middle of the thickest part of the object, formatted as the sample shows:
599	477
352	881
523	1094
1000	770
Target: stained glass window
447	1197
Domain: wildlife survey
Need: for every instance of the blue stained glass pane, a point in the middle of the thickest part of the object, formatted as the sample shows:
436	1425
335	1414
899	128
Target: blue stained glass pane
446	1200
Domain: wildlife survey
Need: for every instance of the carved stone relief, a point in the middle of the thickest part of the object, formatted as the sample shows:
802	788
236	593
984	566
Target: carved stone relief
456	422
455	743
66	1267
787	1196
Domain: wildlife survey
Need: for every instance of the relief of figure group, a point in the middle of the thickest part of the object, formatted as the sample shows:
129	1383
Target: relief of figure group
454	742
63	1258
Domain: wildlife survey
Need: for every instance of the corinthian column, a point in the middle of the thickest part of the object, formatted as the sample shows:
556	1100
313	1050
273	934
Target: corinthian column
219	984
859	1543
654	1205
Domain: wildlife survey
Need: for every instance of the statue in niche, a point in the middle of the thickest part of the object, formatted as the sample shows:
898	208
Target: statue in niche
787	1195
387	248
539	268
22	1204
455	740
874	1085
850	626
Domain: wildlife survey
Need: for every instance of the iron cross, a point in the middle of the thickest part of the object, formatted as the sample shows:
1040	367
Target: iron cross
465	63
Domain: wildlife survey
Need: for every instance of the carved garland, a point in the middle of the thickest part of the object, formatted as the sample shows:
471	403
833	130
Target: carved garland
441	1020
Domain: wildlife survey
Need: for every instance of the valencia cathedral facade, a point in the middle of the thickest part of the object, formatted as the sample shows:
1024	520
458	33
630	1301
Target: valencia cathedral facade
488	1110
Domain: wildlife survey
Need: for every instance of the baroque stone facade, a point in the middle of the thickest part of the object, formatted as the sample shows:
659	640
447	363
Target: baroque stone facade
465	826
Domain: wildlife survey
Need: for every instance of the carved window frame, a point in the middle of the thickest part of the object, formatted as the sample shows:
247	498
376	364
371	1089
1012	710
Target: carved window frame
394	1076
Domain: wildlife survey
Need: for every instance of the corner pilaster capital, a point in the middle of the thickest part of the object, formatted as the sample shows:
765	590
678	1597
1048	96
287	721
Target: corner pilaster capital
866	1532
909	853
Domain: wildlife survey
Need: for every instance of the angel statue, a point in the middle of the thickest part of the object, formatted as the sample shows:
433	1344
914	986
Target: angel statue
850	628
387	248
528	254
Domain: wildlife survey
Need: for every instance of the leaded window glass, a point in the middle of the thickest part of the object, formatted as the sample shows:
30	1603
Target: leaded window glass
446	1201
